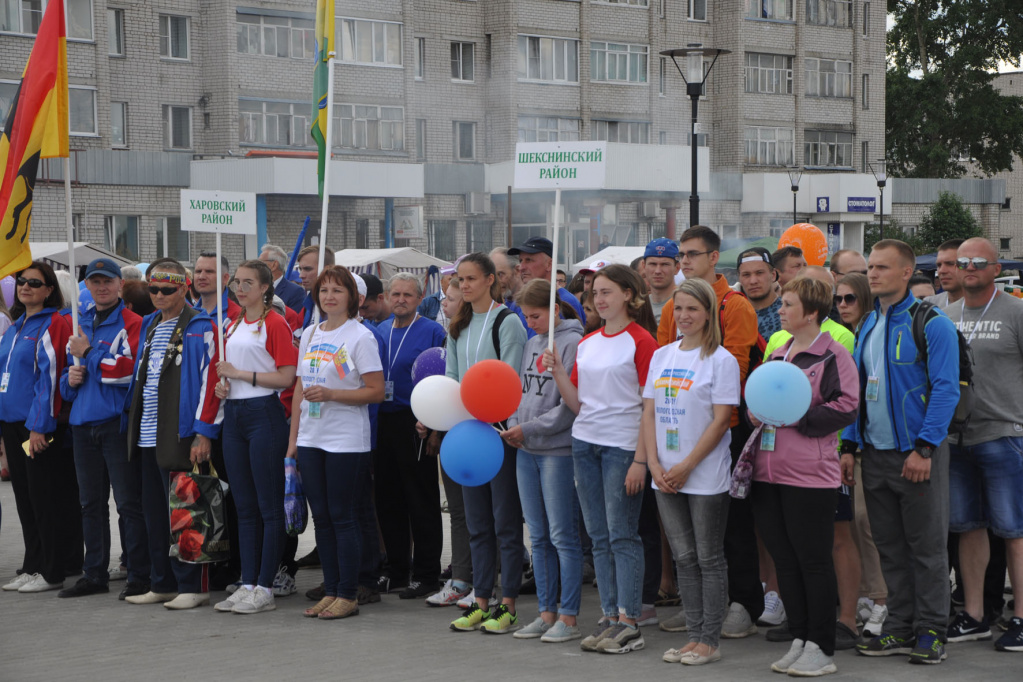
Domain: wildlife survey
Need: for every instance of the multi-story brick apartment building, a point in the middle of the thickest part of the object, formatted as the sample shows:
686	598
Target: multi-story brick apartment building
431	97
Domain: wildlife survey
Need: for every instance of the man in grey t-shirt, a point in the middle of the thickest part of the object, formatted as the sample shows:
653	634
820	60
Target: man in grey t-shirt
986	470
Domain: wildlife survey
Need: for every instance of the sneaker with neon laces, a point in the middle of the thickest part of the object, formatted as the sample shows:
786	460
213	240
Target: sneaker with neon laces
929	648
966	628
604	626
1012	640
501	621
448	595
621	639
887	645
774	610
875	622
471	619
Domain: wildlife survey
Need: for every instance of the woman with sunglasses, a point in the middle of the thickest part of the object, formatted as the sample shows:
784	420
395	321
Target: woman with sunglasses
42	473
260	360
853	300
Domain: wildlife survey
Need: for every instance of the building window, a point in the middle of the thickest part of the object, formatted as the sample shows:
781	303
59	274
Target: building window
698	10
618	62
768	73
865	157
865	91
662	137
442	239
374	43
462	61
366	126
828	78
362	233
836	13
662	76
121	235
827	148
177	127
1004	243
420	59
115	32
171	240
548	129
662	8
173	37
119	124
779	10
276	36
635	3
553	60
8	91
465	142
629	132
284	124
24	16
702	139
82	108
866	18
420	139
479	236
770	146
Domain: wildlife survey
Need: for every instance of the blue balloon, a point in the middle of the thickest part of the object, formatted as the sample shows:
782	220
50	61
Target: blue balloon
431	362
472	453
142	268
778	393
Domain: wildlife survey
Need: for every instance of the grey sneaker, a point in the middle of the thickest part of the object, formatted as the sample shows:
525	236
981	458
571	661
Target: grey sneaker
676	623
737	623
813	663
228	604
256	601
621	639
604	626
559	632
534	630
783	664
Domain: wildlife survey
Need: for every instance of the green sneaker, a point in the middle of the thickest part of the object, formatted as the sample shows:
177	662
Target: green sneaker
471	619
501	622
929	648
887	645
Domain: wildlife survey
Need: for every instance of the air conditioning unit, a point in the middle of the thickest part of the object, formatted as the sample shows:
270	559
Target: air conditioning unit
649	209
477	203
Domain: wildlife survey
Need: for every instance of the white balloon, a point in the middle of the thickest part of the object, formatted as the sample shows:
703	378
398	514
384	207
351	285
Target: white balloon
437	402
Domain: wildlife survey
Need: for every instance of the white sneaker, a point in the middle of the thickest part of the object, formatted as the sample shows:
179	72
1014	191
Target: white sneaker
228	604
864	606
875	623
774	610
256	601
118	572
738	623
283	585
783	664
812	663
18	582
38	584
448	595
470	599
188	600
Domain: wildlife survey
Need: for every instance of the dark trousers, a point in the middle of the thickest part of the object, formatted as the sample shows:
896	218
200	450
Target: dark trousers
461	554
166	574
46	496
741	554
369	564
101	462
797	526
650	534
407	500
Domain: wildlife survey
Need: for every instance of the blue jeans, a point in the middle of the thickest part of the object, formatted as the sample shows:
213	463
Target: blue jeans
550	508
986	487
101	463
335	484
612	521
255	440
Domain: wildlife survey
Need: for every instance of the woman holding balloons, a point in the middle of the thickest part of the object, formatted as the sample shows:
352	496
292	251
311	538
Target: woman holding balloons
796	473
493	513
604	389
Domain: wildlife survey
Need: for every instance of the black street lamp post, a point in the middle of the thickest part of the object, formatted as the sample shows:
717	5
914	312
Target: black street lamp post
878	168
795	174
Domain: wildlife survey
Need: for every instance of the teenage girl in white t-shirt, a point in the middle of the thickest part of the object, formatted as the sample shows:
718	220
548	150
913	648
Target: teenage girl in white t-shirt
687	407
605	390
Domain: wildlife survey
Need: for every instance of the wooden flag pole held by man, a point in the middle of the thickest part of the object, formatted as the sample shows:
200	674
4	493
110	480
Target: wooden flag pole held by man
323	110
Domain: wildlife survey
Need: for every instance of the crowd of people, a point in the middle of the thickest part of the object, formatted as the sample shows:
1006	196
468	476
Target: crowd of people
632	459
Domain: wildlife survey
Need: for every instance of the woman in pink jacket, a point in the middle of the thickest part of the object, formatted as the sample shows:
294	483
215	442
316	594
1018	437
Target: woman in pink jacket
796	477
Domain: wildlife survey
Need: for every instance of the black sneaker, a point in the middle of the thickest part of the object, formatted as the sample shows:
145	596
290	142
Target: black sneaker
367	595
418	590
1012	640
317	593
780	633
845	637
310	560
929	648
887	645
133	589
966	628
386	585
83	588
445	575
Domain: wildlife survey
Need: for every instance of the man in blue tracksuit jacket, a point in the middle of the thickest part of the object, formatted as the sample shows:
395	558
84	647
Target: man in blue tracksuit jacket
905	409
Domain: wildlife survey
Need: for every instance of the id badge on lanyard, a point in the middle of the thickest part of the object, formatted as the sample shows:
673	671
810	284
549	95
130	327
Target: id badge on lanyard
873	388
671	439
314	410
767	438
388	391
4	381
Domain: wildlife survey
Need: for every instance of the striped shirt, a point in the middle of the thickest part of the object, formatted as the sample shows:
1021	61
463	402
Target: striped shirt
157	350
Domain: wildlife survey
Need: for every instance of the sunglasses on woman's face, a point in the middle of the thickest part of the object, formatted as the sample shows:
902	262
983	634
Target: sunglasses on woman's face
848	299
34	283
166	291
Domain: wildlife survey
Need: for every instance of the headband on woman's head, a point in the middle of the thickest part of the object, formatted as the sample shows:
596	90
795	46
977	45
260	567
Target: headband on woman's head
170	277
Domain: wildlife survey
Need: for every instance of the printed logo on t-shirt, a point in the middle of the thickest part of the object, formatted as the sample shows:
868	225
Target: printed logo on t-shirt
981	329
673	380
341	361
325	353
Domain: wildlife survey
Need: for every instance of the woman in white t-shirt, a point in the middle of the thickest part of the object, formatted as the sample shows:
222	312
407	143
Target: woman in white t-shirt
259	360
687	407
339	374
605	390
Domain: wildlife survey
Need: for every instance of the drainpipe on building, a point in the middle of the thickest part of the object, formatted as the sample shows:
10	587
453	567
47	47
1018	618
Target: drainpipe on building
389	223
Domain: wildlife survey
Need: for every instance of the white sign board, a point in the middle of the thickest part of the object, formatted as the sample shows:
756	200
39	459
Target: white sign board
223	212
560	165
408	222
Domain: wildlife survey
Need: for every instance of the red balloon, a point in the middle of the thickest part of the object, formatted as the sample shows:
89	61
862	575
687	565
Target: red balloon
491	391
810	239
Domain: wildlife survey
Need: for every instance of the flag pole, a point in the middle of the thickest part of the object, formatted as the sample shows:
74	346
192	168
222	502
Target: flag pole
554	269
220	303
71	246
328	138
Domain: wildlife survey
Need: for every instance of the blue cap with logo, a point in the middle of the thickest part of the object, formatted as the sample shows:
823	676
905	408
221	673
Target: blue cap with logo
661	248
103	266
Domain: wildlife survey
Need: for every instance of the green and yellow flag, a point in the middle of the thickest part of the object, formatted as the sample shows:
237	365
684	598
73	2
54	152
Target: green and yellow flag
36	128
324	47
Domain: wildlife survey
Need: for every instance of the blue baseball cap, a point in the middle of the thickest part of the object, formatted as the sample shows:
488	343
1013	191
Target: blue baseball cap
661	248
103	266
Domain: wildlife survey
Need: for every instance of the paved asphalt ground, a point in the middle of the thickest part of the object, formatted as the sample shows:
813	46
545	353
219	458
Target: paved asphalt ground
100	639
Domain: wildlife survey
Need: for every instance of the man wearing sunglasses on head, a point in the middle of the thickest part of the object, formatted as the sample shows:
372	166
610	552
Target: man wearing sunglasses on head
172	415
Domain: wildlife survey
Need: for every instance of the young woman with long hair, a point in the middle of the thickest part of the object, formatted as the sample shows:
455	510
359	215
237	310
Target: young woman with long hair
853	300
604	389
260	360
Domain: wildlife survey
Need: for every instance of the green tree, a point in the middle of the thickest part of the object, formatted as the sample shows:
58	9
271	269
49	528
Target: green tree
941	106
947	219
892	230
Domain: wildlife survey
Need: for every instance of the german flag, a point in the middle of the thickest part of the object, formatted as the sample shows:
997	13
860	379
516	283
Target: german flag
36	128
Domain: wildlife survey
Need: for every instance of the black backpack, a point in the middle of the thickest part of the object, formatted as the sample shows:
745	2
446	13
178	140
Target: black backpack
923	313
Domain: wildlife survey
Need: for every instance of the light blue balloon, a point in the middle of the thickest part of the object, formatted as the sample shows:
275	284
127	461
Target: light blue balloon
472	453
778	393
142	268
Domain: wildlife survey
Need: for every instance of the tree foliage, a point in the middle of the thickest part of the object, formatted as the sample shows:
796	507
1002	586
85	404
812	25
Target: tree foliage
892	230
942	112
947	219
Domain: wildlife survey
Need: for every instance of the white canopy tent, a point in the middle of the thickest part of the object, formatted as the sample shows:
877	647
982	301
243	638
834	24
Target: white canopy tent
385	263
623	255
56	254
